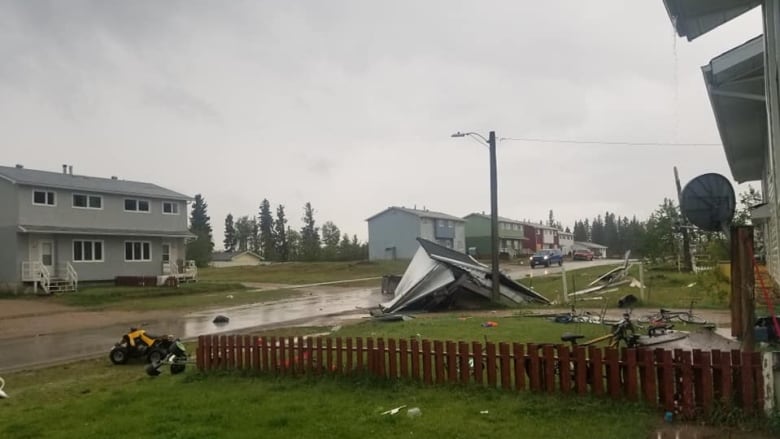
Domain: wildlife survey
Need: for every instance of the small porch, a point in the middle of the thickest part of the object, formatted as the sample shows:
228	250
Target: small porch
50	278
188	272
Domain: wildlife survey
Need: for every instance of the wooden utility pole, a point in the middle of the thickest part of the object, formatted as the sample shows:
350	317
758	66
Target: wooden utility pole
742	286
687	262
494	217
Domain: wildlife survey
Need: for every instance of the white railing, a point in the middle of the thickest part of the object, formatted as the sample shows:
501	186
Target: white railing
37	273
170	268
72	276
190	269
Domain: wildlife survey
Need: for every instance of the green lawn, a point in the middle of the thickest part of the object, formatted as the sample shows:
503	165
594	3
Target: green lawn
663	287
186	296
301	273
93	399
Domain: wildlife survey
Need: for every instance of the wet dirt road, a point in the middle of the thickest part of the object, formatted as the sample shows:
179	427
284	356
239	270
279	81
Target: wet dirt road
38	350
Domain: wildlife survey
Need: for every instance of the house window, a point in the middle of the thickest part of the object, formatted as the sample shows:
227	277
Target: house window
133	205
44	198
87	251
87	201
170	208
138	251
450	224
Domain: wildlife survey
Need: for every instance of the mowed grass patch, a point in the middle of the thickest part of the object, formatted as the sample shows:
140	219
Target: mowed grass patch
301	273
664	287
185	296
94	399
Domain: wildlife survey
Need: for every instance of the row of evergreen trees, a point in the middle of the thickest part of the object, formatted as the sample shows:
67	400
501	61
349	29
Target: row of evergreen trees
271	237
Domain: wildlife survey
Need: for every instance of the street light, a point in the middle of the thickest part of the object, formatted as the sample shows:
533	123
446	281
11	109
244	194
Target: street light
491	143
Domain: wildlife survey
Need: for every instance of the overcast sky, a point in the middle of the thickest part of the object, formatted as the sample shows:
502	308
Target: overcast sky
350	104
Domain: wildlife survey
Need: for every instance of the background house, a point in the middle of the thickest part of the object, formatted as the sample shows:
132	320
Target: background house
235	259
565	242
478	236
393	232
59	228
539	236
599	251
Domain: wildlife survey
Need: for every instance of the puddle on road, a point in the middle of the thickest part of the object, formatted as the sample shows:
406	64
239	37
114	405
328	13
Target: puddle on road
30	351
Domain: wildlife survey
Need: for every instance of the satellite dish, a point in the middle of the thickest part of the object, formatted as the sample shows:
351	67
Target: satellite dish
708	201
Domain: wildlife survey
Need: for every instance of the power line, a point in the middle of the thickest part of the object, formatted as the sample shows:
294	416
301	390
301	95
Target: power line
602	142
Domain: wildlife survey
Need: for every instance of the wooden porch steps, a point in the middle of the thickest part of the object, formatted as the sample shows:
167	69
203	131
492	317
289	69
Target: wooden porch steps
60	285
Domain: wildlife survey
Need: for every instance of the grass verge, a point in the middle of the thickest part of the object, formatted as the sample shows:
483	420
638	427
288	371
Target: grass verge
663	287
94	399
301	273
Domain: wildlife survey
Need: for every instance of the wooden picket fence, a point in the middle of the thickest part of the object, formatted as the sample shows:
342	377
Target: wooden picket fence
689	382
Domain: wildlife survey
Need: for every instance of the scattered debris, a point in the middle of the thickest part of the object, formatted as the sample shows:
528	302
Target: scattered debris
483	412
691	285
613	278
489	324
220	319
635	283
414	412
336	328
627	301
2	386
394	411
229	296
442	278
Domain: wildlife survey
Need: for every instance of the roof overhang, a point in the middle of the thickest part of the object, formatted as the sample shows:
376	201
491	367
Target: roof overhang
692	18
760	213
735	85
55	230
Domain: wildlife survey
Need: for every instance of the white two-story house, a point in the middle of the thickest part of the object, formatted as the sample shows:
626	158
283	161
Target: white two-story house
57	228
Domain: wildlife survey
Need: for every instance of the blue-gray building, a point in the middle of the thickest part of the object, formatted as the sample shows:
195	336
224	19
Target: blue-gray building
393	232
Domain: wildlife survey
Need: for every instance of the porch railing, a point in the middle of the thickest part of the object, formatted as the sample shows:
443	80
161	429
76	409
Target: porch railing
72	276
170	268
37	273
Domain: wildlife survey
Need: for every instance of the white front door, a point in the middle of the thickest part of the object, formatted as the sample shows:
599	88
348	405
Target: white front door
166	253
46	253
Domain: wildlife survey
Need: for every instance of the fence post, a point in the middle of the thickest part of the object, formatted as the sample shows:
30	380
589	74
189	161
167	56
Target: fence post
597	370
632	391
438	349
426	362
613	373
581	369
707	390
392	362
564	366
359	354
415	359
370	355
648	377
506	382
379	357
490	352
666	378
223	352
350	356
403	351
281	355
517	349
340	355
329	355
476	349
452	365
687	384
264	350
698	378
274	355
533	370
240	352
199	352
549	368
230	354
463	362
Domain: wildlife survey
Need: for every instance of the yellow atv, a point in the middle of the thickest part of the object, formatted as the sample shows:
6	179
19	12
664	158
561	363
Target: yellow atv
137	343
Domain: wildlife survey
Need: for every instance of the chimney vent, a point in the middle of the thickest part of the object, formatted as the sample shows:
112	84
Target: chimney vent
19	166
64	169
114	177
70	169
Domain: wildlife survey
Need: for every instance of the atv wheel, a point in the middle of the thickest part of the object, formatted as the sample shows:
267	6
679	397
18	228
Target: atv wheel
153	369
155	356
177	368
118	355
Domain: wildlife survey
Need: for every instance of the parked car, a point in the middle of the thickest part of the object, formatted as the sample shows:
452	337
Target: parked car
547	258
583	255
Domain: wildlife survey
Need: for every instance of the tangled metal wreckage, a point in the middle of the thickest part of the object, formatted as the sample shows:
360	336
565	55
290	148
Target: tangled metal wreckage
442	278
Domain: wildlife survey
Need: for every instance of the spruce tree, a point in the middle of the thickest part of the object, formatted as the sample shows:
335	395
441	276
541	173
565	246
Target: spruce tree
330	240
202	246
310	235
266	221
280	235
254	237
230	234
